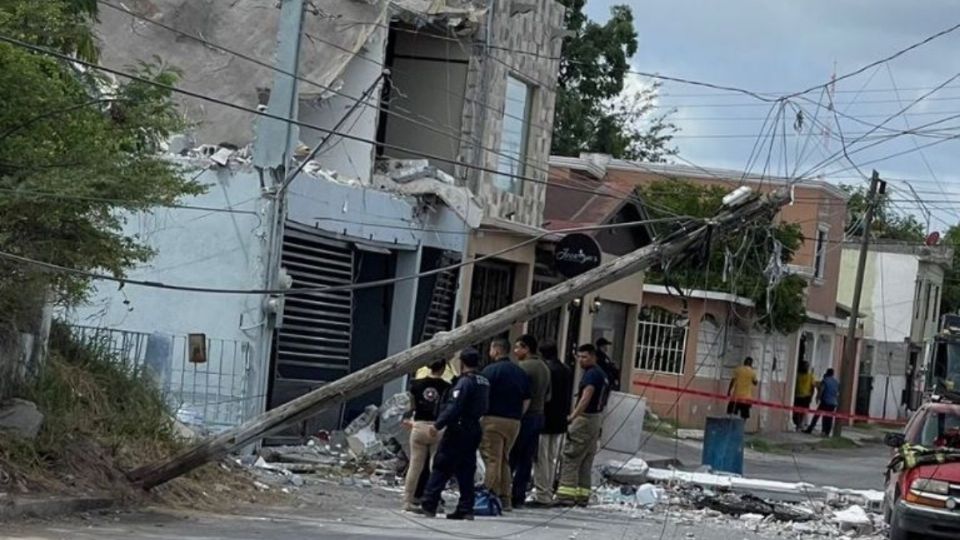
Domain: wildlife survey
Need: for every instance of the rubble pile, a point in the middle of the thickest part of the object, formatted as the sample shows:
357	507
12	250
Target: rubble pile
696	498
371	450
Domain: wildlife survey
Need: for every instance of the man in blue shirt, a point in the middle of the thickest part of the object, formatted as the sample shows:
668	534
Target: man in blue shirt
829	396
460	423
510	396
586	420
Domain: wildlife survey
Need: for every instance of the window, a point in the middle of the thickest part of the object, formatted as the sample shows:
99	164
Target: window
513	138
820	255
929	300
934	302
709	346
916	300
661	341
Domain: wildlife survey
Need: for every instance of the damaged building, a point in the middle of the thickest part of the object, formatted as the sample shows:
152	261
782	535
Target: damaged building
423	136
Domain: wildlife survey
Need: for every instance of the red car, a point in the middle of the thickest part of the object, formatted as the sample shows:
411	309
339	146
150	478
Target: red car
922	495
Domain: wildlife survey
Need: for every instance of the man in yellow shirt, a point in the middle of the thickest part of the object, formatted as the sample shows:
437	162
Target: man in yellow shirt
803	394
741	389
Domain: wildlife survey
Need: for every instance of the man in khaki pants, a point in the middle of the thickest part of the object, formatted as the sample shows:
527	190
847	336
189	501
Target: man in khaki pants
586	420
509	399
427	394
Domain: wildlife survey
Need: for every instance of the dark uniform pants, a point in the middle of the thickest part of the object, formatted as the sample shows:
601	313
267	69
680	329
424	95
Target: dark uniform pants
456	457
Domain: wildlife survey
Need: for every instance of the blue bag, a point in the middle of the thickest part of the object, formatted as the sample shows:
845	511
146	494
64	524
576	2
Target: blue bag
486	503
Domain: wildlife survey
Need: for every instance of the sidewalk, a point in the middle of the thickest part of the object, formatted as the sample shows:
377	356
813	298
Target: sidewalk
36	506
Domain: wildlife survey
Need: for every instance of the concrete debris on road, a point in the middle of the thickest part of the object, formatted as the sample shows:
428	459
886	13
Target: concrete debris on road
737	502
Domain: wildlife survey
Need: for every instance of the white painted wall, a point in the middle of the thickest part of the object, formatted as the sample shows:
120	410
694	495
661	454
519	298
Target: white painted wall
350	158
888	292
891	388
197	248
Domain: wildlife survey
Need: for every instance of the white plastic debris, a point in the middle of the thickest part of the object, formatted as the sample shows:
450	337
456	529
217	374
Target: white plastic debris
751	518
648	495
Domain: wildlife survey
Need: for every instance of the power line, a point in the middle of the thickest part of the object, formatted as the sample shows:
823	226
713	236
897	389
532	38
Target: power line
380	108
197	95
55	268
31	193
884	60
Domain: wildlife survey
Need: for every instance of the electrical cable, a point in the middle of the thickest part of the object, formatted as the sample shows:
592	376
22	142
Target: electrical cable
55	268
196	95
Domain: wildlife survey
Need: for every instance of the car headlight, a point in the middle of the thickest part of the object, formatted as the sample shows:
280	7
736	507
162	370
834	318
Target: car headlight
928	485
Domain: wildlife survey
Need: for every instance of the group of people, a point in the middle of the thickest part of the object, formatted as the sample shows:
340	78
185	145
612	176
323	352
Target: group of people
827	391
518	412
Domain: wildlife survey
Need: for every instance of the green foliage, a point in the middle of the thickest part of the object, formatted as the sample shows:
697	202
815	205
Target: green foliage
887	225
752	250
76	151
950	298
591	114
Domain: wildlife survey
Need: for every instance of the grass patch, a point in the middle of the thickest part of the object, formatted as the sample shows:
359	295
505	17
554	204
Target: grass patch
101	418
660	426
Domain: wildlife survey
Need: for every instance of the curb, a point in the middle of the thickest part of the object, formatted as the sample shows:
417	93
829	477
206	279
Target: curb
46	508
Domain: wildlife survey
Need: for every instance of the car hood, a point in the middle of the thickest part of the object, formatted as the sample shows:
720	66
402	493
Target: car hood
948	472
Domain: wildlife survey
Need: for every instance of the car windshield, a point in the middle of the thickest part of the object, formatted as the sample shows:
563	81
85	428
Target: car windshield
940	429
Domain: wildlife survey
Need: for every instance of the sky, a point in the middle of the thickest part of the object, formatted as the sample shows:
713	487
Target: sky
784	46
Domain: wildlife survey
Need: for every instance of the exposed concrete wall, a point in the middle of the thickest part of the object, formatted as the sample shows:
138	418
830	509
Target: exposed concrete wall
246	26
429	77
350	158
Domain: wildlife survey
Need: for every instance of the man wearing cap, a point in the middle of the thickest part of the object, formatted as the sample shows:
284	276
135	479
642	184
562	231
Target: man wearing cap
607	365
457	454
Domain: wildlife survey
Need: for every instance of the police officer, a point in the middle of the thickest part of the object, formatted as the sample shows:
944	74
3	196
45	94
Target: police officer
457	455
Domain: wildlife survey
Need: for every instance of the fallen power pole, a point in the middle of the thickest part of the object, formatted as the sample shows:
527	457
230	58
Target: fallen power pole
848	367
446	344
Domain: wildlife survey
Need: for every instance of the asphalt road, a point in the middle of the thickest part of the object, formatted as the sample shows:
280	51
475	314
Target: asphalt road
857	468
383	523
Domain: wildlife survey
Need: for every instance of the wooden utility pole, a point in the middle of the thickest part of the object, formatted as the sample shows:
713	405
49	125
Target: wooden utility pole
848	367
447	343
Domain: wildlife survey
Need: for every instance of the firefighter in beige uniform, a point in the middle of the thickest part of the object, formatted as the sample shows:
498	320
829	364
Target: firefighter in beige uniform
584	431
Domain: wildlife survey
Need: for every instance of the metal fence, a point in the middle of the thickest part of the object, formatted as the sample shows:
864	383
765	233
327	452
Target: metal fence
214	395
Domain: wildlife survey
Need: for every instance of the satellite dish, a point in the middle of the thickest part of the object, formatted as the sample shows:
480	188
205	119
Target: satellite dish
933	239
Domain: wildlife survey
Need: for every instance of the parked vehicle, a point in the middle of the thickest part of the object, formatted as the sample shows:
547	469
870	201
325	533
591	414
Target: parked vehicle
922	494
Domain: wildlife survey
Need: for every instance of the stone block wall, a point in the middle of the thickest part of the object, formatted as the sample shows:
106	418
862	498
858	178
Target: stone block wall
523	41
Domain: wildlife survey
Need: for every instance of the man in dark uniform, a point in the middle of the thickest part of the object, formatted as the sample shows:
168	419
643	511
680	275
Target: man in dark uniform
460	423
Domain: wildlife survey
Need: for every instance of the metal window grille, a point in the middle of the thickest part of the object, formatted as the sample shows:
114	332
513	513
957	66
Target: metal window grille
661	344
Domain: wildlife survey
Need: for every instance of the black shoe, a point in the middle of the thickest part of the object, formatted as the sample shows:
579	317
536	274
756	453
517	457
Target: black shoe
427	512
565	503
460	516
538	504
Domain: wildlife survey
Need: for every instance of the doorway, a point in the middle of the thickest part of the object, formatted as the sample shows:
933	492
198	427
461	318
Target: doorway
610	323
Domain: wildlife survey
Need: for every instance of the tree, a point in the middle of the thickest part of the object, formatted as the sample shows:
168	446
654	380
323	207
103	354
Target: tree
740	264
887	225
593	114
78	152
950	297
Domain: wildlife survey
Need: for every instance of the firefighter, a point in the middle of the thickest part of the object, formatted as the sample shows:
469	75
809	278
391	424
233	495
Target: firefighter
586	420
460	423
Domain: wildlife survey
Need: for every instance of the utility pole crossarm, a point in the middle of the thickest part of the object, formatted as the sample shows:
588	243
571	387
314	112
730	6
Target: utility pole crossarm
446	344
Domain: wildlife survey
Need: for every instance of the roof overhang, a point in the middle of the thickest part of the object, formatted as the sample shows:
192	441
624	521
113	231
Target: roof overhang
718	296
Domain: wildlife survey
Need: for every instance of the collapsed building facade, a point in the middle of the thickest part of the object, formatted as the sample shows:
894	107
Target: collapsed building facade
423	134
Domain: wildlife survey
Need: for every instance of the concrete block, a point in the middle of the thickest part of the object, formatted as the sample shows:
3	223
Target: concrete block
623	423
20	418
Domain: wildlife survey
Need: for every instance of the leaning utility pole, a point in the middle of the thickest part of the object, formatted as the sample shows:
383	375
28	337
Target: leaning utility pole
737	214
848	367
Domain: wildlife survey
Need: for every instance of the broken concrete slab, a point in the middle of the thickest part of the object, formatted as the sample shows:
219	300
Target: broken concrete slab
633	472
20	418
